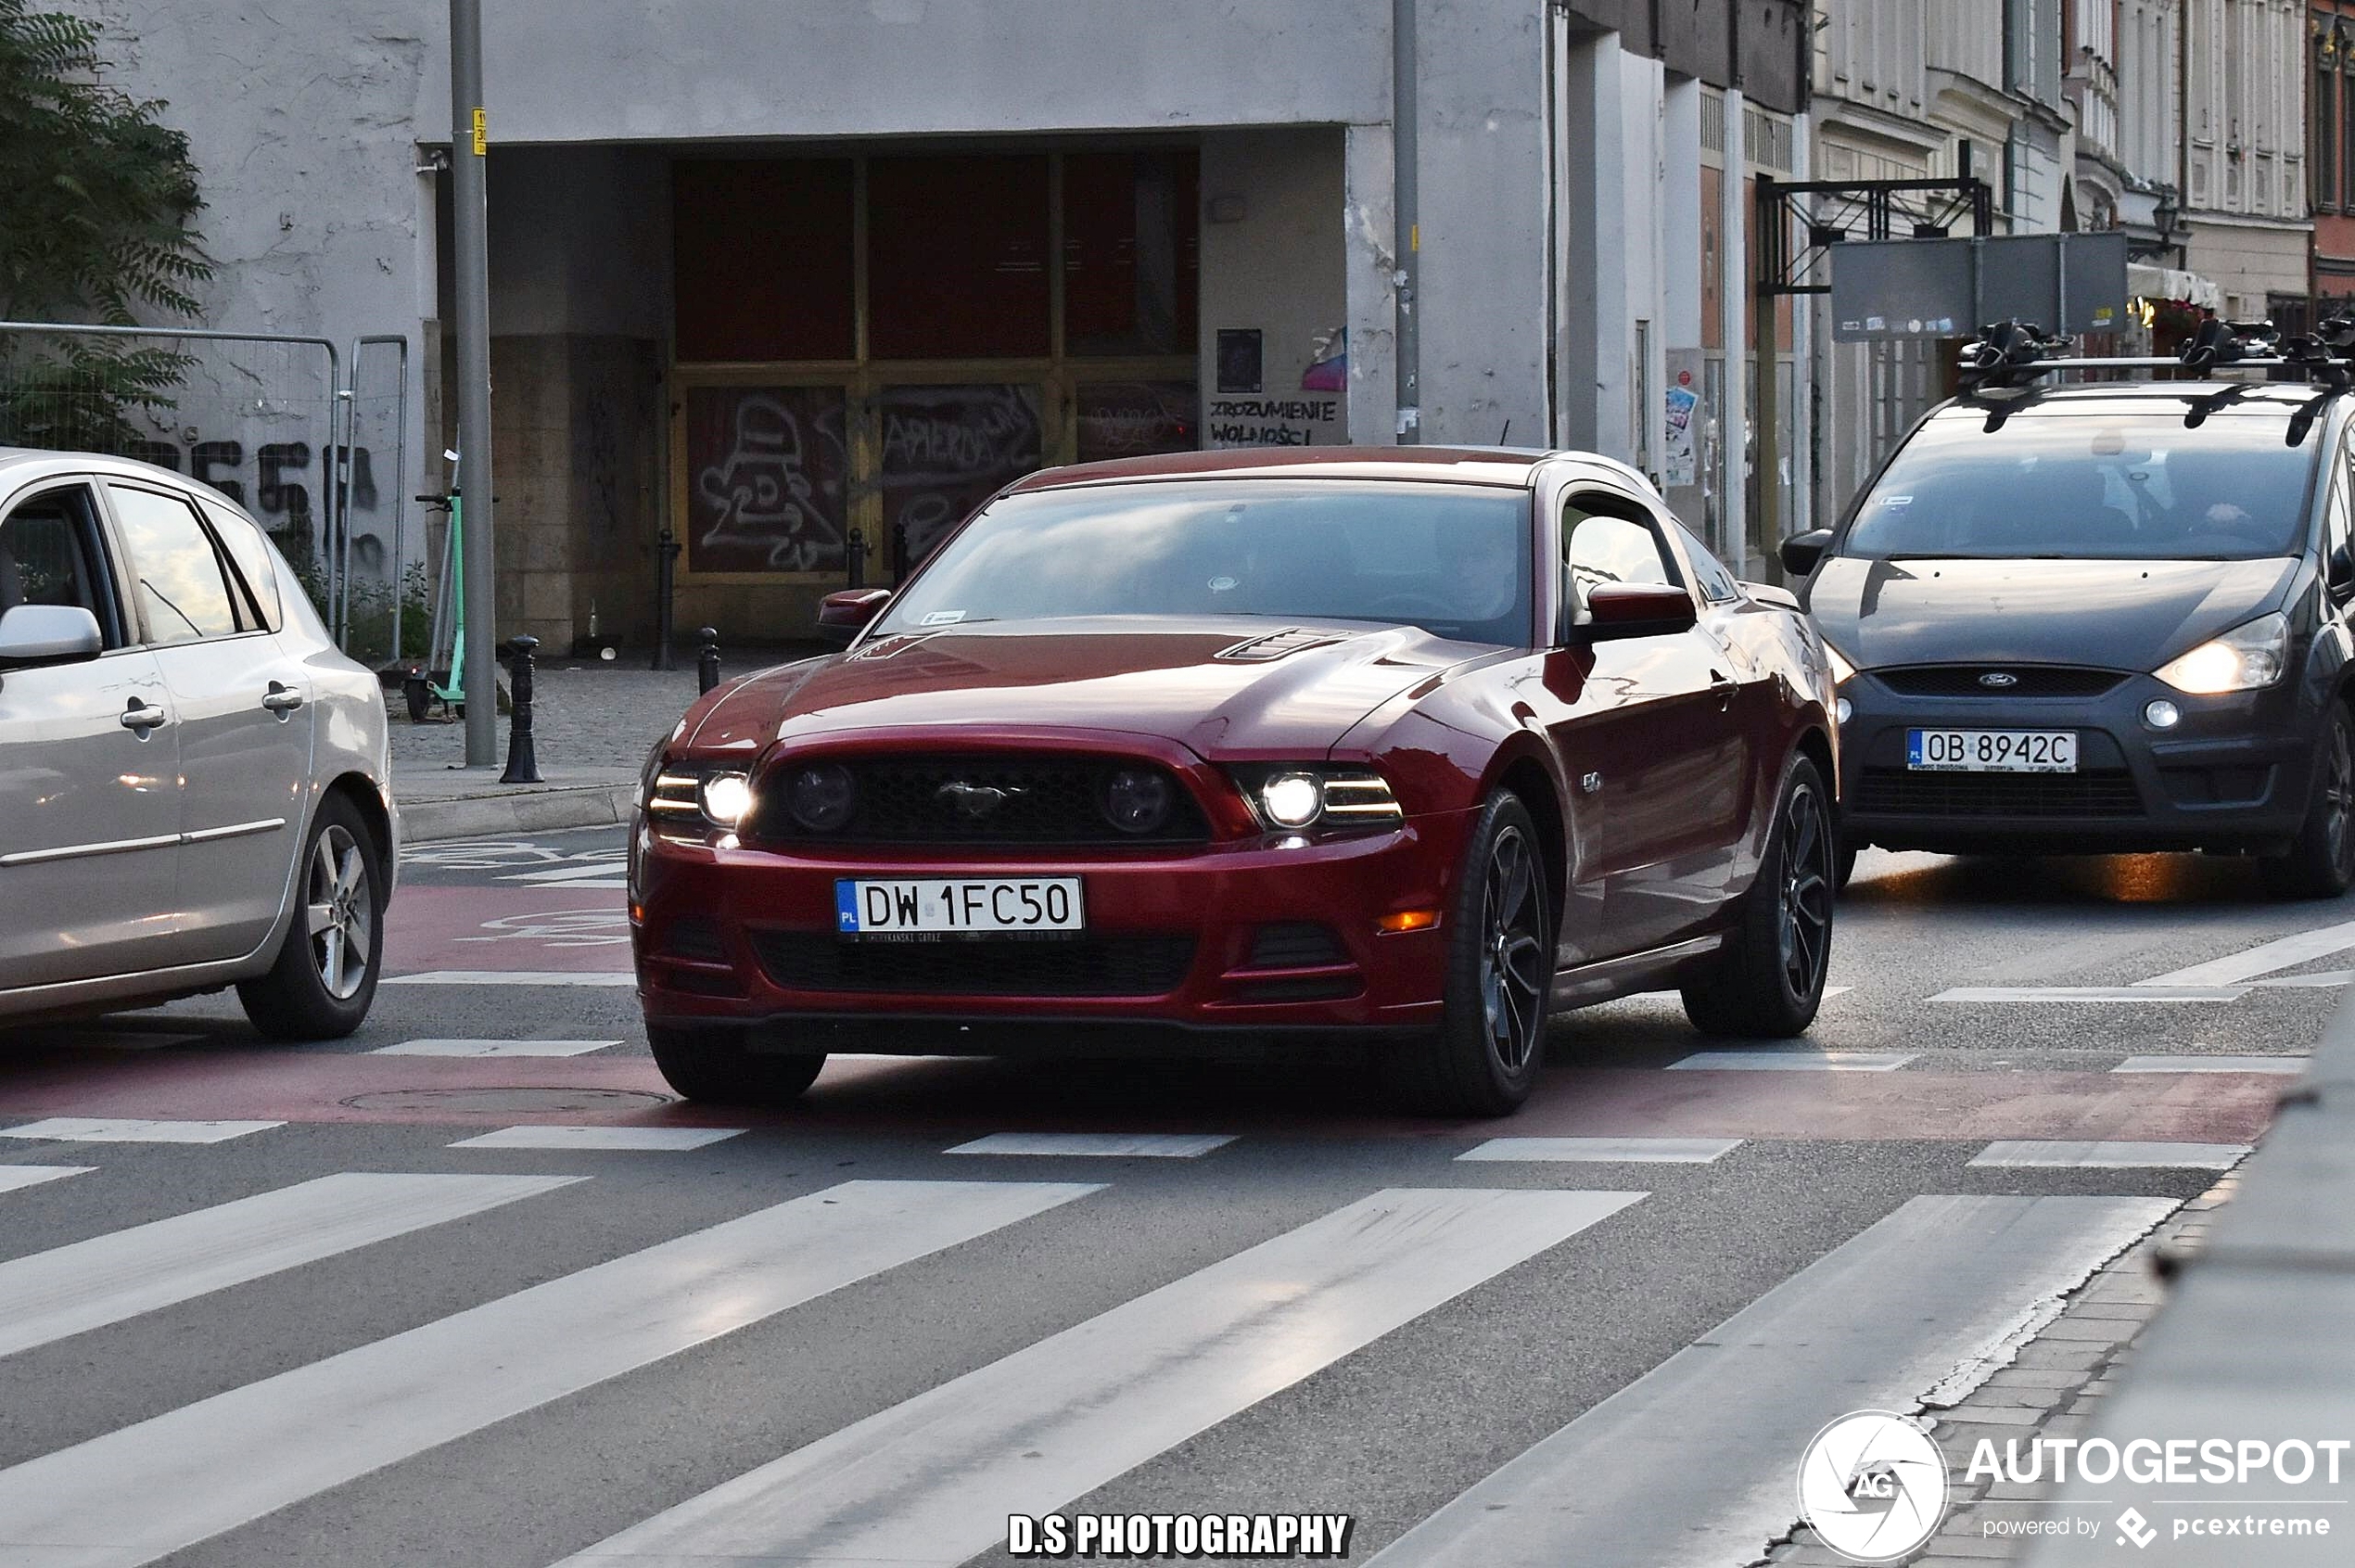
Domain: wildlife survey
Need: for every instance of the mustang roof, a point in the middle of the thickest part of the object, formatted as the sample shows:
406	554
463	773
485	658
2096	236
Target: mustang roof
1480	466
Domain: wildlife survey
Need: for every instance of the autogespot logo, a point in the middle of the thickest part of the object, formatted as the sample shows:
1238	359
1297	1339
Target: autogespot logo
1872	1485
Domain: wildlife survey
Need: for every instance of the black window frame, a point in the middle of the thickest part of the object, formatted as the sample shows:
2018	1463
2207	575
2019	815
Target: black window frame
100	561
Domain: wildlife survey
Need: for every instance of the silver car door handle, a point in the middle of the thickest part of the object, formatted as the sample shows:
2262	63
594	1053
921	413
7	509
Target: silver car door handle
140	717
279	699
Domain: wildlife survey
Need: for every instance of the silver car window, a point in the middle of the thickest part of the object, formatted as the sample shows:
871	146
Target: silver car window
251	552
49	555
177	582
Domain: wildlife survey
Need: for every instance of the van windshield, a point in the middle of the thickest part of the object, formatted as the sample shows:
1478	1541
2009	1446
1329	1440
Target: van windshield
2097	486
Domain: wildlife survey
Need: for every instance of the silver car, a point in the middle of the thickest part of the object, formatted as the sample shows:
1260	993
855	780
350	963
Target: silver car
195	788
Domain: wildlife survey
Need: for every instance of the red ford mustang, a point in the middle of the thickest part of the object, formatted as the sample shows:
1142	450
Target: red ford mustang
1415	746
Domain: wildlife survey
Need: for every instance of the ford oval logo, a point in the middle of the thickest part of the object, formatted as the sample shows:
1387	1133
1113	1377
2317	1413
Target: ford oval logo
1999	679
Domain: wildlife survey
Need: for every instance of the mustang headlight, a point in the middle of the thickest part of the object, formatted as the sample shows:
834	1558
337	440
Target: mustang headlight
2241	661
1333	799
690	800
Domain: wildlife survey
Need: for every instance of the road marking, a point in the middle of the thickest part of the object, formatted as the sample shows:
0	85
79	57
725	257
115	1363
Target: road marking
601	1137
72	1289
2322	980
2081	1154
127	1130
515	977
1794	1061
1112	1145
2093	993
1831	991
13	1178
2286	952
1693	1462
929	1481
472	1048
227	1461
2285	1065
1634	1151
588	873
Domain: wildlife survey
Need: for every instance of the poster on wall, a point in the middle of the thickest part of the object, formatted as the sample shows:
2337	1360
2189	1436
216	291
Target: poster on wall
946	450
767	472
1305	403
1136	418
1680	456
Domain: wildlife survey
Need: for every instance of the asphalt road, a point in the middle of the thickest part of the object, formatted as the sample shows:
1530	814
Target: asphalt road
791	1342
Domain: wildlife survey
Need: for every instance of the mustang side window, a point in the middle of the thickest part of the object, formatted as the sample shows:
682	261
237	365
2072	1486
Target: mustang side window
1604	545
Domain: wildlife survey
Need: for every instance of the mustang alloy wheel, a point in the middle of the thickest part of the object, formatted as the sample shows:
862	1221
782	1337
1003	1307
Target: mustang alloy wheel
1768	980
324	976
1485	1055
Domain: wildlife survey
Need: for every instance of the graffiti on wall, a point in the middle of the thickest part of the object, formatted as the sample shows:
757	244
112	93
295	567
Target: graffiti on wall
946	450
283	485
767	472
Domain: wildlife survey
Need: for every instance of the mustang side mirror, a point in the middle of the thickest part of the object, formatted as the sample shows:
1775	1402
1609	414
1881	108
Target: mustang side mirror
1633	609
1801	551
844	614
48	634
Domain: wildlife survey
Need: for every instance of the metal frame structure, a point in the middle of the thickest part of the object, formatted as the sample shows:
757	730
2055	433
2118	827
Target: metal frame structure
337	502
1781	268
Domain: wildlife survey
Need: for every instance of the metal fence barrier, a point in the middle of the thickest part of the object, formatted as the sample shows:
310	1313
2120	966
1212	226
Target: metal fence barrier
313	442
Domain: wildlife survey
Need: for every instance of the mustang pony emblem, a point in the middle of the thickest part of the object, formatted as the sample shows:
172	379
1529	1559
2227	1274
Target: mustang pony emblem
976	800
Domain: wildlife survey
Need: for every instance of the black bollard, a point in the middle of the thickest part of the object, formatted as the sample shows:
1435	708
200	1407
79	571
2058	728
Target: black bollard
708	662
853	560
523	766
666	572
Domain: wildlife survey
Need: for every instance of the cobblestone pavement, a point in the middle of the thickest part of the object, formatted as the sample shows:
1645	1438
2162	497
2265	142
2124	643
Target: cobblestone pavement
2051	1388
585	714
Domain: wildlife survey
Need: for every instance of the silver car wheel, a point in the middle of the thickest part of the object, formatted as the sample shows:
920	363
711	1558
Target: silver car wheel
342	913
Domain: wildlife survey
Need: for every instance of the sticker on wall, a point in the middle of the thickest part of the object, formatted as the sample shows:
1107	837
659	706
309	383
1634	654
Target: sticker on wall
1328	363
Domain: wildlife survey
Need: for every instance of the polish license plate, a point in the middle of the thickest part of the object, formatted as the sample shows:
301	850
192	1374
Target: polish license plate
940	910
1991	751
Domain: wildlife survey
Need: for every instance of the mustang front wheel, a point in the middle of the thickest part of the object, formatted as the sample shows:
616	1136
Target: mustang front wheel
1491	1041
721	1066
1768	980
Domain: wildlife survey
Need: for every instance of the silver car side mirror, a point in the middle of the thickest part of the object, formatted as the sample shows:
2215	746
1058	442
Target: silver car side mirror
48	634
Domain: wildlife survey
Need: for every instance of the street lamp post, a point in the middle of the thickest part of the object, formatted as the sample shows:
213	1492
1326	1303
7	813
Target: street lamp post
469	147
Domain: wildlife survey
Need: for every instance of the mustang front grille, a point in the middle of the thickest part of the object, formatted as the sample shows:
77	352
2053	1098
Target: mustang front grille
2098	792
1005	799
818	960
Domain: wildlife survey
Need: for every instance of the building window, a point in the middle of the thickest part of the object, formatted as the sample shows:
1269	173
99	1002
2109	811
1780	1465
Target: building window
761	255
2325	99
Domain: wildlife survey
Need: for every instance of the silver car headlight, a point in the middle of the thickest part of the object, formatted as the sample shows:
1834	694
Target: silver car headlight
2241	661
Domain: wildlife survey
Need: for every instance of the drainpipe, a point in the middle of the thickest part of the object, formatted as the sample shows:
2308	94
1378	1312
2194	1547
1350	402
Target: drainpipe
1406	106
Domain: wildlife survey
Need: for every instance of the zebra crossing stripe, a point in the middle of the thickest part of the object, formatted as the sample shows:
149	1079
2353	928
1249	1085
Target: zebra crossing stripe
930	1481
70	1290
146	1490
1694	1461
2096	1155
1604	1150
13	1176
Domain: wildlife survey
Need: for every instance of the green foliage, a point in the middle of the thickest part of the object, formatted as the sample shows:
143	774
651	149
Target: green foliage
96	199
370	610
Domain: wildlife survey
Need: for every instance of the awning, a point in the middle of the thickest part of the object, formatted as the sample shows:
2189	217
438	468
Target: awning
2146	281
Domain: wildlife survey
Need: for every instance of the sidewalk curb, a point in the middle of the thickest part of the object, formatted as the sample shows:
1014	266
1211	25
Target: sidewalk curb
544	811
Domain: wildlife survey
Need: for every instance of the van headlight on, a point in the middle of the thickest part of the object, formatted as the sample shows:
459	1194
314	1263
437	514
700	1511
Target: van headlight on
2241	661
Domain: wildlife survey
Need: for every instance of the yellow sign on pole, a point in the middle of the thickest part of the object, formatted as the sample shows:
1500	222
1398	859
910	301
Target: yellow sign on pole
482	133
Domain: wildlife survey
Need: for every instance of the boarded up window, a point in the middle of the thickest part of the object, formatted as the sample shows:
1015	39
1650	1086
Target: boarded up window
946	450
763	260
1130	251
957	257
1136	418
767	477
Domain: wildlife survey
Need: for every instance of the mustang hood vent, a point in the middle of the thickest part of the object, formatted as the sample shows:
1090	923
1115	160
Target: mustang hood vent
1276	644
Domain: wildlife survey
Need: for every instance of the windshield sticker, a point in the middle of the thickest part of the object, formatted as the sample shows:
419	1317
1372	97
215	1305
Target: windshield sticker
942	617
1896	501
1222	585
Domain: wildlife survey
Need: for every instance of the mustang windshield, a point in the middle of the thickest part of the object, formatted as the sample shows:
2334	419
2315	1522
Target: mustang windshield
1452	559
2092	486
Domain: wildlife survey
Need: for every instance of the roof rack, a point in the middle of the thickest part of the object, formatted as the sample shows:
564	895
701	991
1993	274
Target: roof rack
2009	354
